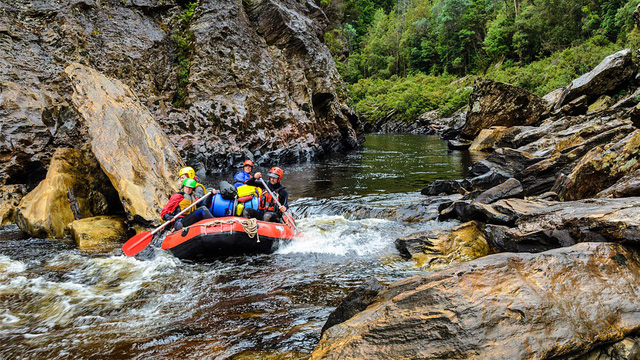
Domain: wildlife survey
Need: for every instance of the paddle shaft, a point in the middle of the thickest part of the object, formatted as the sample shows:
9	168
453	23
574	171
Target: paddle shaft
275	198
180	213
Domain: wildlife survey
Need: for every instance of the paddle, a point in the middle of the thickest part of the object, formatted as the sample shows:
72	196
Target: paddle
140	241
287	218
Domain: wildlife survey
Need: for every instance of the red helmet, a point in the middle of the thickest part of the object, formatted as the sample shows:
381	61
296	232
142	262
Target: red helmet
248	162
276	172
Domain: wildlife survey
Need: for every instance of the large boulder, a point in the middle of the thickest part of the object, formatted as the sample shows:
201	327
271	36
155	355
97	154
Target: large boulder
356	301
45	211
503	212
99	233
600	168
555	304
438	249
555	224
615	70
494	103
130	146
10	196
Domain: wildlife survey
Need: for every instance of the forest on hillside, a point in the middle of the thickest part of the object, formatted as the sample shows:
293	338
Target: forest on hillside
405	57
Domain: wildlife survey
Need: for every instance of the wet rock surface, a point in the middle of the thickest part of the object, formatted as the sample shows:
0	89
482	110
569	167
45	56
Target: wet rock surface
560	303
556	224
45	212
508	189
10	196
130	146
99	233
438	249
248	79
494	103
627	349
355	302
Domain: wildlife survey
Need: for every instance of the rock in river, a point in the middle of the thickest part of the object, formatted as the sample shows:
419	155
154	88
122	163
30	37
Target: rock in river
132	149
10	197
45	211
555	304
99	233
437	249
494	103
549	224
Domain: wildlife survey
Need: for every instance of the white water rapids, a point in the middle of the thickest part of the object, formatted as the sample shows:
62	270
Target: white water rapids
63	303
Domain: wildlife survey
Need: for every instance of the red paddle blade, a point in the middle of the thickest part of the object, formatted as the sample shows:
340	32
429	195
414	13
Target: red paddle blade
137	243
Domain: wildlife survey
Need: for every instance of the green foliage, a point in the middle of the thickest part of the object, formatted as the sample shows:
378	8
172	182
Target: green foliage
559	69
408	97
184	39
385	48
465	36
359	14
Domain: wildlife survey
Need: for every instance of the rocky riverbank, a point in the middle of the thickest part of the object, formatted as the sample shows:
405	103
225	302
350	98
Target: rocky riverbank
544	264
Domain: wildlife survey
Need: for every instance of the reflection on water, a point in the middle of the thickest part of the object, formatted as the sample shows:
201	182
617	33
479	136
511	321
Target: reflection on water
386	163
59	302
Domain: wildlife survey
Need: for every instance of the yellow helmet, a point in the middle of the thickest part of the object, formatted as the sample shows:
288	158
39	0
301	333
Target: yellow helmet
189	171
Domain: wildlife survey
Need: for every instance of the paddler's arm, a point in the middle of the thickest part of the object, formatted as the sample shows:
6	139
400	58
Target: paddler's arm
284	195
254	181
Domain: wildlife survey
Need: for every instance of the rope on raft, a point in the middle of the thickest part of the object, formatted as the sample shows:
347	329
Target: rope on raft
250	226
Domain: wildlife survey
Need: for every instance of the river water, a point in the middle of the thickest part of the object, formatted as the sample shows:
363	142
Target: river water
59	302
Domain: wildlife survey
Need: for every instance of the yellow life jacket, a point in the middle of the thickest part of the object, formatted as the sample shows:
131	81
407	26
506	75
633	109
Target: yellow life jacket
186	202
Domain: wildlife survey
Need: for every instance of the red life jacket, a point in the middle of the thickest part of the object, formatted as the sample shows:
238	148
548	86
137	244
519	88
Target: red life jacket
178	202
267	203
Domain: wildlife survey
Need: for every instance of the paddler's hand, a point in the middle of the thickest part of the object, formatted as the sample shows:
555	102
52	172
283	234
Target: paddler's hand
213	191
257	175
282	209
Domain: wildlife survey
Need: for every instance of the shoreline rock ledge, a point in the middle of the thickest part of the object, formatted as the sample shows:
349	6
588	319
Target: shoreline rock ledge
562	303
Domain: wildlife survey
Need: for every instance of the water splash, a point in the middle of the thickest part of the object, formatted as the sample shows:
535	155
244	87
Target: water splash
338	235
333	234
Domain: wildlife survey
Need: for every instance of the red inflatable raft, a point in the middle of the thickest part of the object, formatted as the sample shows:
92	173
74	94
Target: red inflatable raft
227	236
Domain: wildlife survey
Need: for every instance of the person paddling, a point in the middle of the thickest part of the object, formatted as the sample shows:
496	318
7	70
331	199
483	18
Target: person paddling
189	173
268	210
242	176
180	201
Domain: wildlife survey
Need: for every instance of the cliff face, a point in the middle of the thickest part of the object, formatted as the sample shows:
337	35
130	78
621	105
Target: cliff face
228	80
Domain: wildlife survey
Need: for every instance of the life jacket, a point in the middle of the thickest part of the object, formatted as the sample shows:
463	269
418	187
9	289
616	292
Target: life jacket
267	203
204	189
240	178
186	201
178	202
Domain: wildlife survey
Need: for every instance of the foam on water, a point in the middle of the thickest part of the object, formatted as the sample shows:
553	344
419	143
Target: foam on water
338	235
332	234
87	291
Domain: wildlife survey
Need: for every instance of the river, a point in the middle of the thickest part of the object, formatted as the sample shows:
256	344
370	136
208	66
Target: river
60	302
